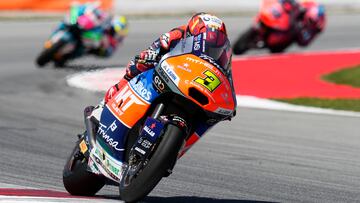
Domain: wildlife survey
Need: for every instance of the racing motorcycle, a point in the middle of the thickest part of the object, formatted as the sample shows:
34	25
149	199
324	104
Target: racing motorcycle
274	28
152	121
71	39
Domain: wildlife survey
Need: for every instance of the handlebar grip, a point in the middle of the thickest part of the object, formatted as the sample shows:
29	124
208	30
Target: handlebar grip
140	60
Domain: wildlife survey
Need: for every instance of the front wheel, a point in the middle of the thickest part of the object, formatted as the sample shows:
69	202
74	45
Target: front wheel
48	53
157	167
77	180
245	42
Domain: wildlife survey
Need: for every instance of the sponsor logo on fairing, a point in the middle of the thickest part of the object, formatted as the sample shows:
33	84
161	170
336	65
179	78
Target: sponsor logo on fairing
140	88
185	67
211	21
125	99
103	129
196	45
170	72
159	83
149	131
223	111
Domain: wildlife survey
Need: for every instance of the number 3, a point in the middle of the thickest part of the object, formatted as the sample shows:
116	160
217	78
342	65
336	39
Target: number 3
211	82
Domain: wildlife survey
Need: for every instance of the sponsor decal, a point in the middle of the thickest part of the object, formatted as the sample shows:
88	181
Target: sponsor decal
103	129
83	146
210	60
125	99
199	62
112	167
170	72
140	88
163	75
159	83
185	67
211	21
225	96
196	45
223	111
149	131
102	159
140	150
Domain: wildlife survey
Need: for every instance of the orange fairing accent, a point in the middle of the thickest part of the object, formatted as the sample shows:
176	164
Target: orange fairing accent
194	72
127	106
266	15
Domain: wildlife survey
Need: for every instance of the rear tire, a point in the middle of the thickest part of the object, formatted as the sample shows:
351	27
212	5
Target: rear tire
48	54
245	41
278	49
163	159
77	180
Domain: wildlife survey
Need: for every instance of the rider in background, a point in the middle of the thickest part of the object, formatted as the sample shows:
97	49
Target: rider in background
312	21
112	29
148	58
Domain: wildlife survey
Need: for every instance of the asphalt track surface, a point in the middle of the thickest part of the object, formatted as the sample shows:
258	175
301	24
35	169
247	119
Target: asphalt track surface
261	155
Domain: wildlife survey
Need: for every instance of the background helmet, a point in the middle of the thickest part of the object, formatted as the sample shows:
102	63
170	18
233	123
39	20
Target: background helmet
314	16
201	22
119	27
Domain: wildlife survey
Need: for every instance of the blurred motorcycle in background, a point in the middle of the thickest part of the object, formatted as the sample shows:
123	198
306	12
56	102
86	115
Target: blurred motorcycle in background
280	23
85	30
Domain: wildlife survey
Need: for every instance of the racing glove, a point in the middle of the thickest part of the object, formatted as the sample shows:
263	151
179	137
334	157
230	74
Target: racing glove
149	55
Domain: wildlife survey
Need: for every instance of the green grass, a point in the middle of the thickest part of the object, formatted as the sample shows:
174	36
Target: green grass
349	76
338	104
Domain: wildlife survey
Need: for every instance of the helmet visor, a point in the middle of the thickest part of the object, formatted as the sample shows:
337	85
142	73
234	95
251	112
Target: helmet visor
216	45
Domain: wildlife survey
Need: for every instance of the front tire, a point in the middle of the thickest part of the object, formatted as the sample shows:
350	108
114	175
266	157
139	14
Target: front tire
245	41
163	159
77	180
48	54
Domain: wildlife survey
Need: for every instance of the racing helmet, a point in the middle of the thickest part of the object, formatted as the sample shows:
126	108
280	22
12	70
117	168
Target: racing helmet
119	27
201	22
314	16
215	43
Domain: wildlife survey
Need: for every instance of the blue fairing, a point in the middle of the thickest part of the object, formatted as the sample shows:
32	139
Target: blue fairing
142	85
111	134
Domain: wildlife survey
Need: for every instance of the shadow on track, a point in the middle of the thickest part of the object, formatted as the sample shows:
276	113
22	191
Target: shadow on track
184	199
193	199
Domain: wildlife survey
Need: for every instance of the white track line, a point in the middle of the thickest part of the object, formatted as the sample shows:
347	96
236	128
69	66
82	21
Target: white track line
25	199
101	80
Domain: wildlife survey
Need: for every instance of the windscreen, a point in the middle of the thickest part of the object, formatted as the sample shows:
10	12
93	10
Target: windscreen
212	46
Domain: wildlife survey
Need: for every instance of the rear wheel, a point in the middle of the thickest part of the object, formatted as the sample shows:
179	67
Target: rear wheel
245	41
277	49
77	180
164	158
48	53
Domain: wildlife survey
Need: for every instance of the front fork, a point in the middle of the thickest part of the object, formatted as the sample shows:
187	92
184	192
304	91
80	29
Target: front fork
149	138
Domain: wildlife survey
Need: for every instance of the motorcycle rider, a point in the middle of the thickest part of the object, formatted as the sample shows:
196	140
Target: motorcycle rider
309	18
148	58
312	22
112	29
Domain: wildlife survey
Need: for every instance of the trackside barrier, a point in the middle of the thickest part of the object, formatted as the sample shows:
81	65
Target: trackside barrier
46	5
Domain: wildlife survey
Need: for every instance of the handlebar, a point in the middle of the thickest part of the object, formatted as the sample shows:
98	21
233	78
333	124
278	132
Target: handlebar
139	60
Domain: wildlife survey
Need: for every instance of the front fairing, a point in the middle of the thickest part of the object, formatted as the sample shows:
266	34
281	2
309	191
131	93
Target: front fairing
196	77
